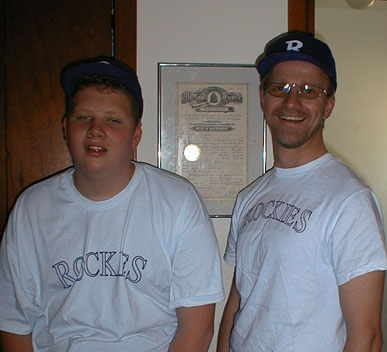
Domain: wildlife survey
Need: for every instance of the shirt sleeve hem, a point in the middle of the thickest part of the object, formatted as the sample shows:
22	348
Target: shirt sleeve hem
343	278
14	329
196	301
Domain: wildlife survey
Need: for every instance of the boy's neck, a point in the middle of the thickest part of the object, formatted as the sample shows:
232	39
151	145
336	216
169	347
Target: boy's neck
99	189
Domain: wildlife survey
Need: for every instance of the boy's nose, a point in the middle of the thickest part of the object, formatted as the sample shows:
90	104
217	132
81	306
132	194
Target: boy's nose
96	130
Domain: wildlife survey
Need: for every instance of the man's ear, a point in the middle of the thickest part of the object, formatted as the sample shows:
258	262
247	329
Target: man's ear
64	126
329	106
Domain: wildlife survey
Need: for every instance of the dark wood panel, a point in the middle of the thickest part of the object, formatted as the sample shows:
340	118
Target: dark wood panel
3	162
301	15
41	37
38	38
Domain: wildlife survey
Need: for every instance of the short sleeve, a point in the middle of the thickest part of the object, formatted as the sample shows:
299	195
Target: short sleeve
357	244
17	308
230	252
196	266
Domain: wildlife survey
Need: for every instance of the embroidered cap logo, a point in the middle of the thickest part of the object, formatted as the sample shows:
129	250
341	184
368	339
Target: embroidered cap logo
294	45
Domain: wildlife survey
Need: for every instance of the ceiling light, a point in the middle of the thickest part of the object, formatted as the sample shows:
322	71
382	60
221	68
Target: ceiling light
360	4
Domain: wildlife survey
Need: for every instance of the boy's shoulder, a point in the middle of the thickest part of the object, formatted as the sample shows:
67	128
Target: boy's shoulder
47	187
167	184
163	176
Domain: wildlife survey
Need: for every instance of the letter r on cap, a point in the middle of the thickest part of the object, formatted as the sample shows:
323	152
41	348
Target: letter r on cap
294	45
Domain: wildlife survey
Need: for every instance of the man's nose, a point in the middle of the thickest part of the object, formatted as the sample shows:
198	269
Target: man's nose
293	98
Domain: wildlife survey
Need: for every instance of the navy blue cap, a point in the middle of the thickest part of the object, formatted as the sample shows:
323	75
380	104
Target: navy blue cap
104	66
298	46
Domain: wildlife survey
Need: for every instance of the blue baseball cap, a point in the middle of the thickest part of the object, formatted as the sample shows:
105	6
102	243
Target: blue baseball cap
104	66
298	46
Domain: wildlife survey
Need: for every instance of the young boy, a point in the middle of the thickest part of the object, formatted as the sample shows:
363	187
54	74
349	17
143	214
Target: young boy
110	254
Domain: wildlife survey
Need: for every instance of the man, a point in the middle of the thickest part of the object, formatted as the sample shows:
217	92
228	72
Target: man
111	254
306	238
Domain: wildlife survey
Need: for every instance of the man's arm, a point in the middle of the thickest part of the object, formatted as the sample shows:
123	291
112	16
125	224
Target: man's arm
361	303
195	328
227	322
15	343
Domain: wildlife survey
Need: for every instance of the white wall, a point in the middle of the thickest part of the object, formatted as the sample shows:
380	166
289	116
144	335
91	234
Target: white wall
211	31
357	129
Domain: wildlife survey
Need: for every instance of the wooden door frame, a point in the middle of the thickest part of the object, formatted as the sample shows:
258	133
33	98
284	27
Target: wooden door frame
126	31
301	15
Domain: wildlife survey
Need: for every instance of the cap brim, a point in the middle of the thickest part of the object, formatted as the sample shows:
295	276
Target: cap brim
269	61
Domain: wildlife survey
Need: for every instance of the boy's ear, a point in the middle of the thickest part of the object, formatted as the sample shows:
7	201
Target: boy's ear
64	126
137	135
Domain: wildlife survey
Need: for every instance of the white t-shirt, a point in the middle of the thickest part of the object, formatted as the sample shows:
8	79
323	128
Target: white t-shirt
96	276
296	235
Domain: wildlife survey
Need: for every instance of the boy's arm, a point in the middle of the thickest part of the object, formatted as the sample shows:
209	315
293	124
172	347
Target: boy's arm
195	328
227	322
15	343
361	303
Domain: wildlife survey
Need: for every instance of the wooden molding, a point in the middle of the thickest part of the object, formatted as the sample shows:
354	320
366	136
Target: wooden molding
126	31
301	15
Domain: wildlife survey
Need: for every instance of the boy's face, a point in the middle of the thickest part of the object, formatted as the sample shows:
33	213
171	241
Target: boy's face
101	133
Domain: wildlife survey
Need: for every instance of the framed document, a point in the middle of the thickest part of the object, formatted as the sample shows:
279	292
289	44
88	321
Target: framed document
211	129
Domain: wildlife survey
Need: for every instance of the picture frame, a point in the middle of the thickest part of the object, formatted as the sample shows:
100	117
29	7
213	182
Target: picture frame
211	129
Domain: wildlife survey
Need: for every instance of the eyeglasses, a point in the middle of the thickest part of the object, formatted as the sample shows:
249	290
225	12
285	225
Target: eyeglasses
305	91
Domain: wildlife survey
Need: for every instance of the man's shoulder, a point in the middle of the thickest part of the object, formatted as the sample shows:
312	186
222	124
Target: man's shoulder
259	183
341	176
323	178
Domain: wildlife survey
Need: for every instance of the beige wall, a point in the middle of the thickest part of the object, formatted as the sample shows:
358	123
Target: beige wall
357	130
215	31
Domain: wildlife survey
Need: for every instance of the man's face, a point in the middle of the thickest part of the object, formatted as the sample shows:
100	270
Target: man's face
296	122
101	133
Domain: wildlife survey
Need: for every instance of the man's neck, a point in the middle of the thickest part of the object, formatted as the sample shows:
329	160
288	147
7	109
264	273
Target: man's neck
292	157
